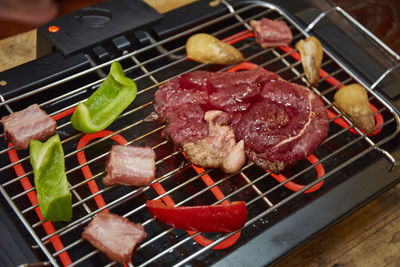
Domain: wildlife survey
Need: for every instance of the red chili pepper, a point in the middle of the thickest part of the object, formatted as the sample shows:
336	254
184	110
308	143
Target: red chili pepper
219	218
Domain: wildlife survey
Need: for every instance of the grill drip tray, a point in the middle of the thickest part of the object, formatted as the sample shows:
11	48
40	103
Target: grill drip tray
277	204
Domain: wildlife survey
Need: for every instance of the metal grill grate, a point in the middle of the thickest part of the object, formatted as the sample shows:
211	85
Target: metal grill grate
269	197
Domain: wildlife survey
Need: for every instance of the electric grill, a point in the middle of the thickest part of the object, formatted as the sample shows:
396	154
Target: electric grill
284	210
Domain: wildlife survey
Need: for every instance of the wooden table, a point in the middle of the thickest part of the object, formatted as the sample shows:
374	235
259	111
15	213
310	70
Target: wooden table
368	237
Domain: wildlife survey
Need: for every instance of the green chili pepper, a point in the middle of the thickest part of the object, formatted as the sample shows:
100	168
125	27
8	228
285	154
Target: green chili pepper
106	103
47	160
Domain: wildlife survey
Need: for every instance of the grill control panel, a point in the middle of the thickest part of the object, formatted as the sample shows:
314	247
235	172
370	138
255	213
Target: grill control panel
95	25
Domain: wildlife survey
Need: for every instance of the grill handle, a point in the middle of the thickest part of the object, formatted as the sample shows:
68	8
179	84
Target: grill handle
376	65
371	36
354	22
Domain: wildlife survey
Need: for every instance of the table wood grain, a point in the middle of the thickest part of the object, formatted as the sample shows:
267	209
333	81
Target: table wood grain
368	237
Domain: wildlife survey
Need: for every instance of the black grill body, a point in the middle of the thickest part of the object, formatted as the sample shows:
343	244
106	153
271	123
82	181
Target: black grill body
73	61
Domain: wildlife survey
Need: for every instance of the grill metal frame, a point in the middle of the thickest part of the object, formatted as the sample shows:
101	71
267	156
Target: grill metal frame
288	66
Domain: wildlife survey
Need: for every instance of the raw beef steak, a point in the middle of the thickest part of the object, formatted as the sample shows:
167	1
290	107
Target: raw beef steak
286	124
279	122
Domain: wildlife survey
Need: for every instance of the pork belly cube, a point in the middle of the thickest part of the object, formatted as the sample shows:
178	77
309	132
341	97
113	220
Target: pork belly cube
31	123
115	236
270	33
128	165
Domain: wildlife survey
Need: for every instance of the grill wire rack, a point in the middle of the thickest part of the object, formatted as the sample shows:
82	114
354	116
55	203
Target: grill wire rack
269	197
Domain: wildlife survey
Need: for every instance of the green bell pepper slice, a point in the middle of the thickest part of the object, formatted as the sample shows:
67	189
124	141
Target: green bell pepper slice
54	197
114	95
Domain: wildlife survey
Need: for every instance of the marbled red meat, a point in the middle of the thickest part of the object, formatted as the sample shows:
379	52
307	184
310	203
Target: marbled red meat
185	123
279	122
182	102
28	124
270	33
115	236
231	91
285	125
128	165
